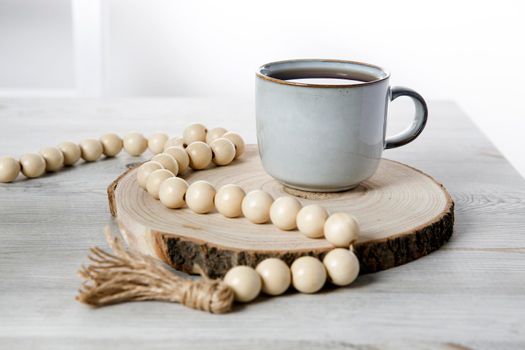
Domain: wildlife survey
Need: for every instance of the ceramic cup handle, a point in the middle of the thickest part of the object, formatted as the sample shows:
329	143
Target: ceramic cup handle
420	119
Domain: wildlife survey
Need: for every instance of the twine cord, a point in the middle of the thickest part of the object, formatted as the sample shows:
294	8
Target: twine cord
126	275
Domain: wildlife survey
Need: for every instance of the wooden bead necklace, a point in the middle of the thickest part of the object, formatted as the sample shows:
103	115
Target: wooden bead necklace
198	148
307	274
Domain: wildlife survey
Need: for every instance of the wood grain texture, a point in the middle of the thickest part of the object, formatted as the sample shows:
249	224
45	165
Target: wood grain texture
468	294
403	215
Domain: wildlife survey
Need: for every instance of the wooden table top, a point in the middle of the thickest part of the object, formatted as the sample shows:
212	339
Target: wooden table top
469	294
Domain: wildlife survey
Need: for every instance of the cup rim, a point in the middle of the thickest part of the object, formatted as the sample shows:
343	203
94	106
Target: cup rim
259	73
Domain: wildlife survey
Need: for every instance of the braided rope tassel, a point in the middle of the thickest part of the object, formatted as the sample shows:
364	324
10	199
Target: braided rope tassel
126	275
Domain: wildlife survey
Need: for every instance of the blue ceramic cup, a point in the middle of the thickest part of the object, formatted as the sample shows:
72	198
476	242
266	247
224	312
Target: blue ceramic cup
326	137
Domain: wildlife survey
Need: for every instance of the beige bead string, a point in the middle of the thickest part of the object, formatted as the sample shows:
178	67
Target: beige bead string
198	148
307	274
221	148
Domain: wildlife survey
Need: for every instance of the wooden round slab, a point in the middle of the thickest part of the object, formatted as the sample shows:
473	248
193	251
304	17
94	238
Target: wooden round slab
403	214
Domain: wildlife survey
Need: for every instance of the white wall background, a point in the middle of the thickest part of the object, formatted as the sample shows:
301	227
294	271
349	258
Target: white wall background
36	47
470	51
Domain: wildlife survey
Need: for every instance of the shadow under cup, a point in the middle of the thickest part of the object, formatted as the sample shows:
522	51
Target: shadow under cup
324	136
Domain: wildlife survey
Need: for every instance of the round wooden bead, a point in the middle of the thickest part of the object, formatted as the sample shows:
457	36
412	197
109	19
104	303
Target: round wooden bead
194	132
135	143
181	156
156	142
90	150
71	152
256	206
283	212
111	144
311	219
342	266
215	133
175	142
155	179
200	155
245	283
167	161
341	229
223	151
53	157
228	200
199	197
275	276
237	141
172	192
145	170
9	169
308	274
33	165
